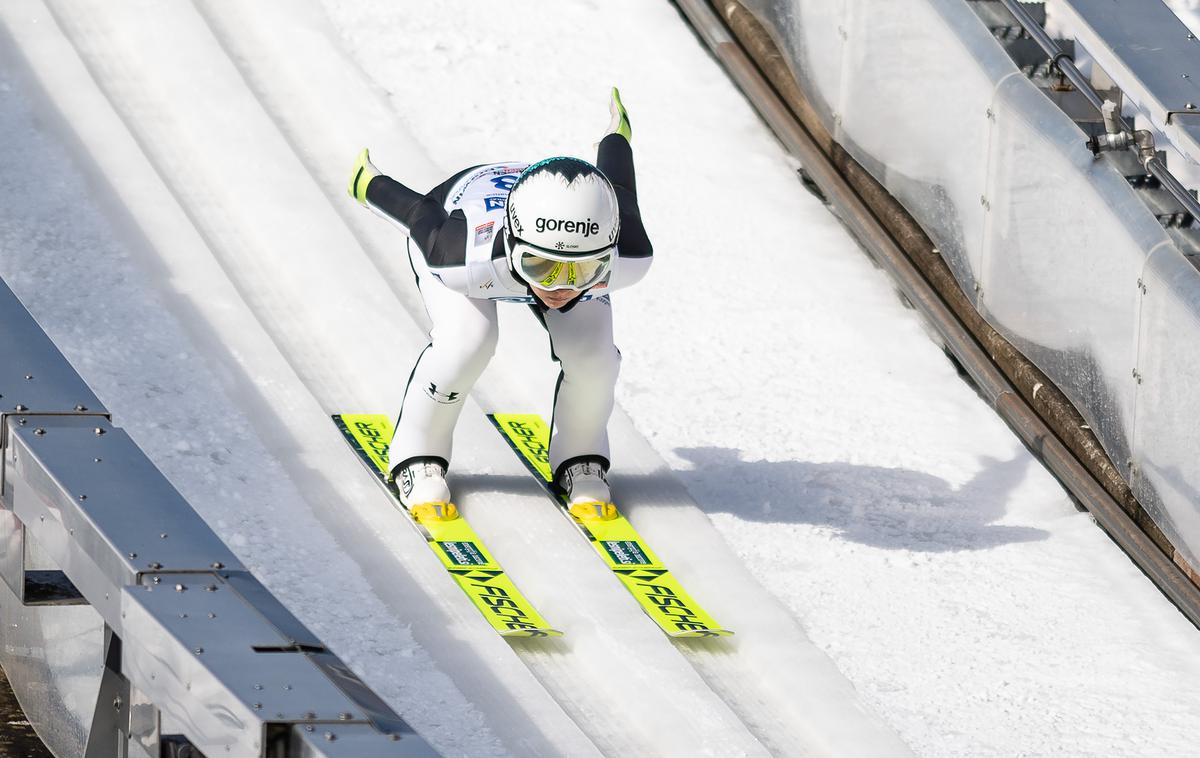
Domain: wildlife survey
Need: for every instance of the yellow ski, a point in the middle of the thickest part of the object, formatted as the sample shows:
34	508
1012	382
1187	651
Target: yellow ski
454	542
618	543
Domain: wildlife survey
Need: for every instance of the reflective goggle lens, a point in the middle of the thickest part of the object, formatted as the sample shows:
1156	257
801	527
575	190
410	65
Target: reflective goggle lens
550	274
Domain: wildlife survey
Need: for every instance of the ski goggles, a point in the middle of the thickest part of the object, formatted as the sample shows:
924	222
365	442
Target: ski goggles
553	271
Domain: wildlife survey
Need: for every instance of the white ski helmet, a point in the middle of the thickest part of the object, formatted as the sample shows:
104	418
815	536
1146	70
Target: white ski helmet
562	224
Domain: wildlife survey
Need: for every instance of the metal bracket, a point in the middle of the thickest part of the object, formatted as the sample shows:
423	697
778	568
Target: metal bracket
1191	109
32	587
22	418
110	722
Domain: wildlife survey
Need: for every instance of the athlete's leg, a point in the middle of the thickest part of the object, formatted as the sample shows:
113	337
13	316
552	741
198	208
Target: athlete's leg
461	343
582	342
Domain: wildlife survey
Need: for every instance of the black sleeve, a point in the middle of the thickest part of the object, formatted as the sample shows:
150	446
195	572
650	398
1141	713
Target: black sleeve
615	159
423	215
440	237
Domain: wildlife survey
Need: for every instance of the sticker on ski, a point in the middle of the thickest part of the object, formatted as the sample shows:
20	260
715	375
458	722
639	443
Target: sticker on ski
659	593
454	542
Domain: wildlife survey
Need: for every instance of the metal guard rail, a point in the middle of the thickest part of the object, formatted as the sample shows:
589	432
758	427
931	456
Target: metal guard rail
1154	165
187	632
991	382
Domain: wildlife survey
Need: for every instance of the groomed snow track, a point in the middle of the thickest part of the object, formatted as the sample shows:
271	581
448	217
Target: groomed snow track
226	297
303	306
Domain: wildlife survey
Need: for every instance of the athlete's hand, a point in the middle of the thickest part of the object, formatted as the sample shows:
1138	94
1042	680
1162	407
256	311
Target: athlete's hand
360	176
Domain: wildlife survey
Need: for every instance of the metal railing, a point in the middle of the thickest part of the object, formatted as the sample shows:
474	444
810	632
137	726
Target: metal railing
1053	252
123	611
1120	134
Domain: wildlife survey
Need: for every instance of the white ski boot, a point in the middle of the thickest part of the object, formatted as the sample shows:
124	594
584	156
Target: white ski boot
586	487
421	484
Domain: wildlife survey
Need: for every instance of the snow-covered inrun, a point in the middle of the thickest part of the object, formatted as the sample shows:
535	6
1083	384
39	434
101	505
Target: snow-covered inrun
901	573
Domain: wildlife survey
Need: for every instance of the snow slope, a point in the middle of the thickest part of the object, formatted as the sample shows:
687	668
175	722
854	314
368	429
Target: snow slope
921	546
1188	12
234	296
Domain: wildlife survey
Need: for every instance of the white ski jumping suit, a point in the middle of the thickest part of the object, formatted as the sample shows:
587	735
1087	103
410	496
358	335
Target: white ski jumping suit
457	253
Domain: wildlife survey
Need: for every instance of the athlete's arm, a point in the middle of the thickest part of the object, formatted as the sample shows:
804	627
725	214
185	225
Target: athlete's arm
421	216
634	251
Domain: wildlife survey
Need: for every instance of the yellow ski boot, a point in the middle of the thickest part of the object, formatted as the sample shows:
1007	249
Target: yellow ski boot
423	512
586	486
593	510
421	484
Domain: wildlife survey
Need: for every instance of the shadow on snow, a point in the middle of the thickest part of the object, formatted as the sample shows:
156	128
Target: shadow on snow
880	507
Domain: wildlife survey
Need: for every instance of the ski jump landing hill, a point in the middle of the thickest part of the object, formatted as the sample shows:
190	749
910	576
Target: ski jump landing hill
1065	240
120	603
301	294
210	275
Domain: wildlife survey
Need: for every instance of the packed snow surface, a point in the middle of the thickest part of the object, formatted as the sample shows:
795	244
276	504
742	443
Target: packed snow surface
900	570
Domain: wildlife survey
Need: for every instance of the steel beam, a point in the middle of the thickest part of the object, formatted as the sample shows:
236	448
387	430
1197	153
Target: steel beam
176	625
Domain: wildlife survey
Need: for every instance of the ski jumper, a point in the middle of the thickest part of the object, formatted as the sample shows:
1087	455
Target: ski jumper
457	253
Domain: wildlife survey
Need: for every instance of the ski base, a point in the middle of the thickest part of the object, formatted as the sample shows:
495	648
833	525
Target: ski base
454	542
658	592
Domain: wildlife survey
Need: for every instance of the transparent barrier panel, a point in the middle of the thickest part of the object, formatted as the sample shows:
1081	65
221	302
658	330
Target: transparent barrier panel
1066	243
1167	434
811	36
1055	241
916	91
54	657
